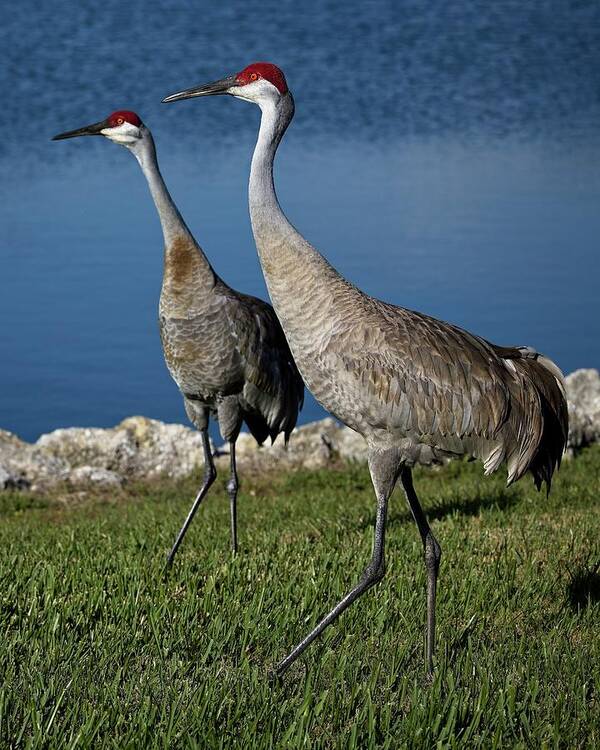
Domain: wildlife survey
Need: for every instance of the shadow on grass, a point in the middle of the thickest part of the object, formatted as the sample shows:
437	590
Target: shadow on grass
502	500
583	589
471	506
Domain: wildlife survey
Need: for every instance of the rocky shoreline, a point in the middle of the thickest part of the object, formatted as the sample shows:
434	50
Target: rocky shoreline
142	448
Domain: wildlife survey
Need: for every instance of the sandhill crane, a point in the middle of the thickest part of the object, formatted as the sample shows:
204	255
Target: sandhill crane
224	349
417	389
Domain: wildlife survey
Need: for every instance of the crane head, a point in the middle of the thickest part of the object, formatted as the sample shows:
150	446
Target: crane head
123	126
259	82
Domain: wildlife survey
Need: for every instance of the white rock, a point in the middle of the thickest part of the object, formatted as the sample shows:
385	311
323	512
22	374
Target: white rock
583	394
29	464
92	475
138	448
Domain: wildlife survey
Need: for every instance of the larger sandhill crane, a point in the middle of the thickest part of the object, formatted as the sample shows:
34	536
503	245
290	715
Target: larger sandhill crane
224	349
418	389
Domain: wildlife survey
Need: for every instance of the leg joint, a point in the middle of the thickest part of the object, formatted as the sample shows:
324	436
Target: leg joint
210	473
433	552
233	485
373	573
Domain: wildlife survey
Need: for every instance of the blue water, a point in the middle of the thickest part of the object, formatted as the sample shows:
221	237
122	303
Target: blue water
444	156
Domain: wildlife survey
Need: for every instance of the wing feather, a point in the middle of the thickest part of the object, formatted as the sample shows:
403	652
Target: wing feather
273	387
442	383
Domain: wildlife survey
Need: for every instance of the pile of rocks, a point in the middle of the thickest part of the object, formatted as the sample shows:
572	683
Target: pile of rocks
135	448
141	448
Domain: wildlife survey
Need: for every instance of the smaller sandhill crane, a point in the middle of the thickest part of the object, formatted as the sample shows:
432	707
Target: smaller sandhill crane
417	389
224	349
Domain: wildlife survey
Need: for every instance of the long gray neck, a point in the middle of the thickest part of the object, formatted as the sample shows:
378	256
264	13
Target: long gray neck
171	221
188	277
293	269
273	124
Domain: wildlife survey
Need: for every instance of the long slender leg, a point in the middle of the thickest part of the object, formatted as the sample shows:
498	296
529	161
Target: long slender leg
232	490
210	474
383	474
230	417
433	555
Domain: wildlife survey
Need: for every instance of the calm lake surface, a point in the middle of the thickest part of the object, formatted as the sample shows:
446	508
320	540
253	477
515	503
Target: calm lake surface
444	156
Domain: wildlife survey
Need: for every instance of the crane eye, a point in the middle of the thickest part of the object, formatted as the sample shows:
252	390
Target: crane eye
253	76
120	120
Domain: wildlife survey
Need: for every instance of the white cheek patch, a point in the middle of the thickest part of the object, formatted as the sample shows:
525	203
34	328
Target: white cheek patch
256	91
124	134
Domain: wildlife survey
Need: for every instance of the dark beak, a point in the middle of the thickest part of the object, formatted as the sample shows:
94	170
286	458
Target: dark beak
94	129
208	89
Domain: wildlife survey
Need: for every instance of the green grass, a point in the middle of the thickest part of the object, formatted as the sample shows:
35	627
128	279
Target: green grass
98	650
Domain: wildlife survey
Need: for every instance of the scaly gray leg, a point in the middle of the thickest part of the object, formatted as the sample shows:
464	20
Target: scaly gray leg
232	490
210	474
384	470
433	554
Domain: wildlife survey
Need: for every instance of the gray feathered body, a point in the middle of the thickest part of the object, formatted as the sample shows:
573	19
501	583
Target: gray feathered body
225	350
403	379
398	377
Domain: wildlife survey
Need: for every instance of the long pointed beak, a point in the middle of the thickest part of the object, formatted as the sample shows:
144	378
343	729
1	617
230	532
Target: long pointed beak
95	129
207	89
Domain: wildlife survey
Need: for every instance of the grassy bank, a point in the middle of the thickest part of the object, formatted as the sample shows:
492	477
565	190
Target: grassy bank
97	649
